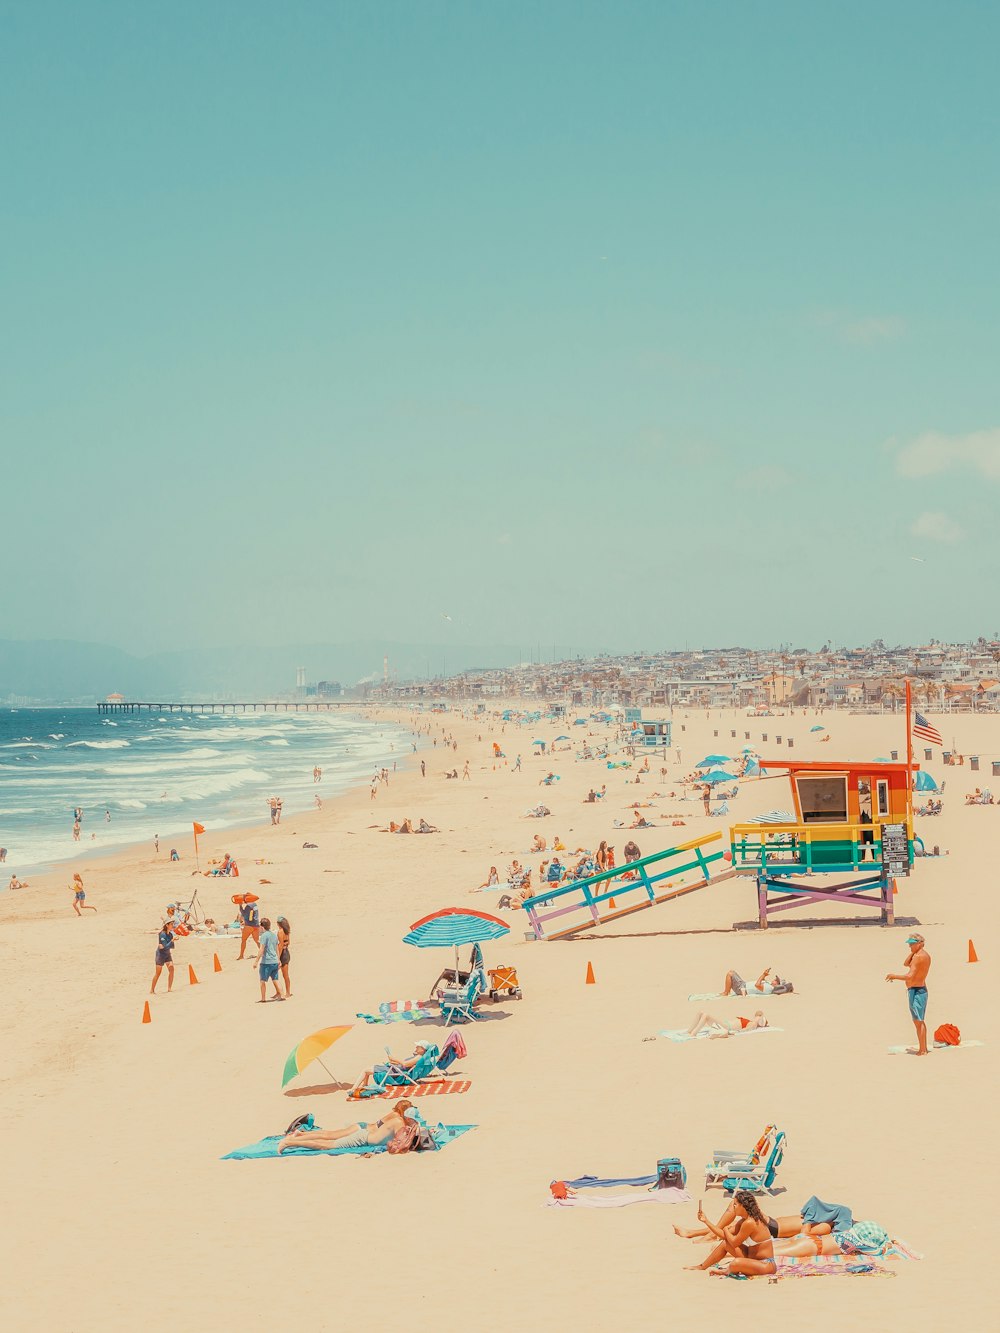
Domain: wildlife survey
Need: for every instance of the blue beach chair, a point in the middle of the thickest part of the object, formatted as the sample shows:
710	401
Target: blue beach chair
457	1005
761	1177
395	1076
728	1161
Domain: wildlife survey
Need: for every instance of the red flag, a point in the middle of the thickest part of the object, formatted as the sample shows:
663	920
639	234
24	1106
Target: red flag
198	828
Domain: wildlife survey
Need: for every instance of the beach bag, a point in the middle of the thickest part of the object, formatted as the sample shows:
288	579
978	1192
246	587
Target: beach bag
425	1140
404	1138
670	1174
949	1034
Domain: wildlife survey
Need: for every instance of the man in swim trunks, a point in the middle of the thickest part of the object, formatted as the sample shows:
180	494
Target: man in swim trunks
917	965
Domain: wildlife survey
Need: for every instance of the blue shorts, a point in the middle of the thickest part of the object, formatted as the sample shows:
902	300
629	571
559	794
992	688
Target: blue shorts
80	895
917	996
268	971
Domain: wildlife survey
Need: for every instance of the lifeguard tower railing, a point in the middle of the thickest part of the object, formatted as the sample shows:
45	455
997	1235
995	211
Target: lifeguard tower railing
779	853
593	901
790	849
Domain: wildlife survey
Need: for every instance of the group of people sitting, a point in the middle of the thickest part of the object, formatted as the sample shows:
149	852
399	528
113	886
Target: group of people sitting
407	826
979	797
746	1235
935	807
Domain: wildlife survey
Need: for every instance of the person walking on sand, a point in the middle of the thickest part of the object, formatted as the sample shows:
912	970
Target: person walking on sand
80	904
267	961
423	768
465	772
164	957
251	926
517	765
917	965
284	954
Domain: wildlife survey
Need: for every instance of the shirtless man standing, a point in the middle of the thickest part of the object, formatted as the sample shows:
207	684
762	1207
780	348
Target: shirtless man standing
917	965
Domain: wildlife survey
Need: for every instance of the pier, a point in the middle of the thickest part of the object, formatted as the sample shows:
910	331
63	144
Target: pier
278	706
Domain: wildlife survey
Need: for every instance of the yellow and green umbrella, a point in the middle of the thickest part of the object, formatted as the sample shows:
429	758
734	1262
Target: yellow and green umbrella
311	1048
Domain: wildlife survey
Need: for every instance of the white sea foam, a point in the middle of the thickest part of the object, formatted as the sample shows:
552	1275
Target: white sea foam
98	745
131	805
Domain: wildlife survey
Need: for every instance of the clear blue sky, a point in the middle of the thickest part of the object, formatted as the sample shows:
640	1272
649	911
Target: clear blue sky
619	325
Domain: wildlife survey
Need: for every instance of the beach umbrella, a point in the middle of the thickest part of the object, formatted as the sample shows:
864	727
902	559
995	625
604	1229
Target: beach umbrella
562	738
711	760
455	926
882	759
538	742
923	781
717	775
773	817
311	1048
817	728
579	722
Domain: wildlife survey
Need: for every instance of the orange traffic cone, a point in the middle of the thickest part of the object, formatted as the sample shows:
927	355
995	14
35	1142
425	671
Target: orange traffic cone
611	903
973	956
590	974
192	979
147	1017
217	966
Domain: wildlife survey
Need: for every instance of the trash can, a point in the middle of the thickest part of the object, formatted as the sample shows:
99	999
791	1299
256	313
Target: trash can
733	734
746	735
928	755
777	740
974	762
893	755
996	768
789	742
946	756
763	735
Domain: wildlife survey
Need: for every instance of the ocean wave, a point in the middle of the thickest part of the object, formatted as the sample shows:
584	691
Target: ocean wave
277	740
131	805
98	745
57	735
26	745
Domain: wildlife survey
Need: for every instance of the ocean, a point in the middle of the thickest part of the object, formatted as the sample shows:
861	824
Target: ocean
155	773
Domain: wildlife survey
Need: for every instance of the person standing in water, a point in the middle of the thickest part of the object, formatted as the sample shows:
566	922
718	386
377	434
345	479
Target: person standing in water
917	965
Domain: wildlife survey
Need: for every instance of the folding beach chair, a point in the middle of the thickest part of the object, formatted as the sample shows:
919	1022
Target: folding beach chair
761	1177
722	810
395	1076
726	1162
457	1005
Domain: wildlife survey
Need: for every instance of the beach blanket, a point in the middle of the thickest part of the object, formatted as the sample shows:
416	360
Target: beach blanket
268	1147
937	1046
679	1034
603	1182
438	1088
750	995
820	1265
402	1011
620	1200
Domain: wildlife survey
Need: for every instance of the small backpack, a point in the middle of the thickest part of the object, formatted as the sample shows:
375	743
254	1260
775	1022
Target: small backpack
949	1034
405	1138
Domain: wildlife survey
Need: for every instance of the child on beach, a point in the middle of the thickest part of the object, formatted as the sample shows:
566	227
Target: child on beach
80	904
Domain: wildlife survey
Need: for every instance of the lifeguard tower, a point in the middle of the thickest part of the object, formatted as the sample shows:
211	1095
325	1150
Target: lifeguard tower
647	734
851	819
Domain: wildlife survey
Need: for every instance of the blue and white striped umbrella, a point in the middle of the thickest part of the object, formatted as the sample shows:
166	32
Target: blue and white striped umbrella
773	817
455	926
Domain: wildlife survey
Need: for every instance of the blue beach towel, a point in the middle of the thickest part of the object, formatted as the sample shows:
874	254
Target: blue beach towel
595	1182
268	1147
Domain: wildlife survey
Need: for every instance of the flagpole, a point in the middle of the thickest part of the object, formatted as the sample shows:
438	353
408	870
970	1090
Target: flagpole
196	860
909	752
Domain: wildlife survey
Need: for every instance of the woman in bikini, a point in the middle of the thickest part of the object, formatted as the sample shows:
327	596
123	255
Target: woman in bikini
352	1136
784	1227
284	951
722	1027
748	1241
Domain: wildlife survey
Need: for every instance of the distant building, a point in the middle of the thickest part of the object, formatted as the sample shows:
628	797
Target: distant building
114	699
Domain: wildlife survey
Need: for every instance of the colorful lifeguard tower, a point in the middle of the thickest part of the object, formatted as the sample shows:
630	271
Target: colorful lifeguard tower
647	734
851	818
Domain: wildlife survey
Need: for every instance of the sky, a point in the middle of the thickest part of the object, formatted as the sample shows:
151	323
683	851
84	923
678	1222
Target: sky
620	326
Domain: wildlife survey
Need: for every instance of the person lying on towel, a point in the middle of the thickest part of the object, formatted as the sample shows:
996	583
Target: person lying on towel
722	1027
764	985
358	1135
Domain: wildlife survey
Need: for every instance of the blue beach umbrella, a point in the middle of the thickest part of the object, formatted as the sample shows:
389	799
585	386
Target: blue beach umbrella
817	728
538	742
562	738
717	775
711	760
924	782
455	926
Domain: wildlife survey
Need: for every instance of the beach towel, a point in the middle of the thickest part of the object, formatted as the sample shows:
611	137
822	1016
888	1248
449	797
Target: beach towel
620	1200
605	1182
440	1087
268	1147
820	1265
937	1046
750	995
814	1211
679	1034
402	1011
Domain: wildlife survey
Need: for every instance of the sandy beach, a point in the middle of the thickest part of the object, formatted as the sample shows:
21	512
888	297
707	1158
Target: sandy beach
120	1211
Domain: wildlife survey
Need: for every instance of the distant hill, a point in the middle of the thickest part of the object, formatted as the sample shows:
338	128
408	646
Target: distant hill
65	671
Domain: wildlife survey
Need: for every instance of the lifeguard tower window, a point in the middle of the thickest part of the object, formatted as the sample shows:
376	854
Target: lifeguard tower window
823	800
882	798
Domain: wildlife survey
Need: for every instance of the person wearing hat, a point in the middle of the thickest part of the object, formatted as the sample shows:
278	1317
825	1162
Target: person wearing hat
917	965
393	1065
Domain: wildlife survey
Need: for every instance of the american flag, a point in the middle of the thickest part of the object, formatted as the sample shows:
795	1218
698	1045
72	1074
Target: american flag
923	729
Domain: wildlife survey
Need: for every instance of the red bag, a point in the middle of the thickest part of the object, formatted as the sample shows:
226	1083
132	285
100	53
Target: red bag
949	1034
404	1138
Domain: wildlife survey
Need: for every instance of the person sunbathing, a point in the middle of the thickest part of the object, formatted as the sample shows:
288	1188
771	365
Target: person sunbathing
424	827
787	1227
735	985
492	879
392	1065
861	1238
405	827
358	1135
747	1242
722	1027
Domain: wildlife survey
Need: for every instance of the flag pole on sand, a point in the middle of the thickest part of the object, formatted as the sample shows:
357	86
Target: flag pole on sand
198	828
909	751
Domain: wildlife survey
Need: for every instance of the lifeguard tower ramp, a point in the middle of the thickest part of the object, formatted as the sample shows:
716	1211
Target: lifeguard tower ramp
583	904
